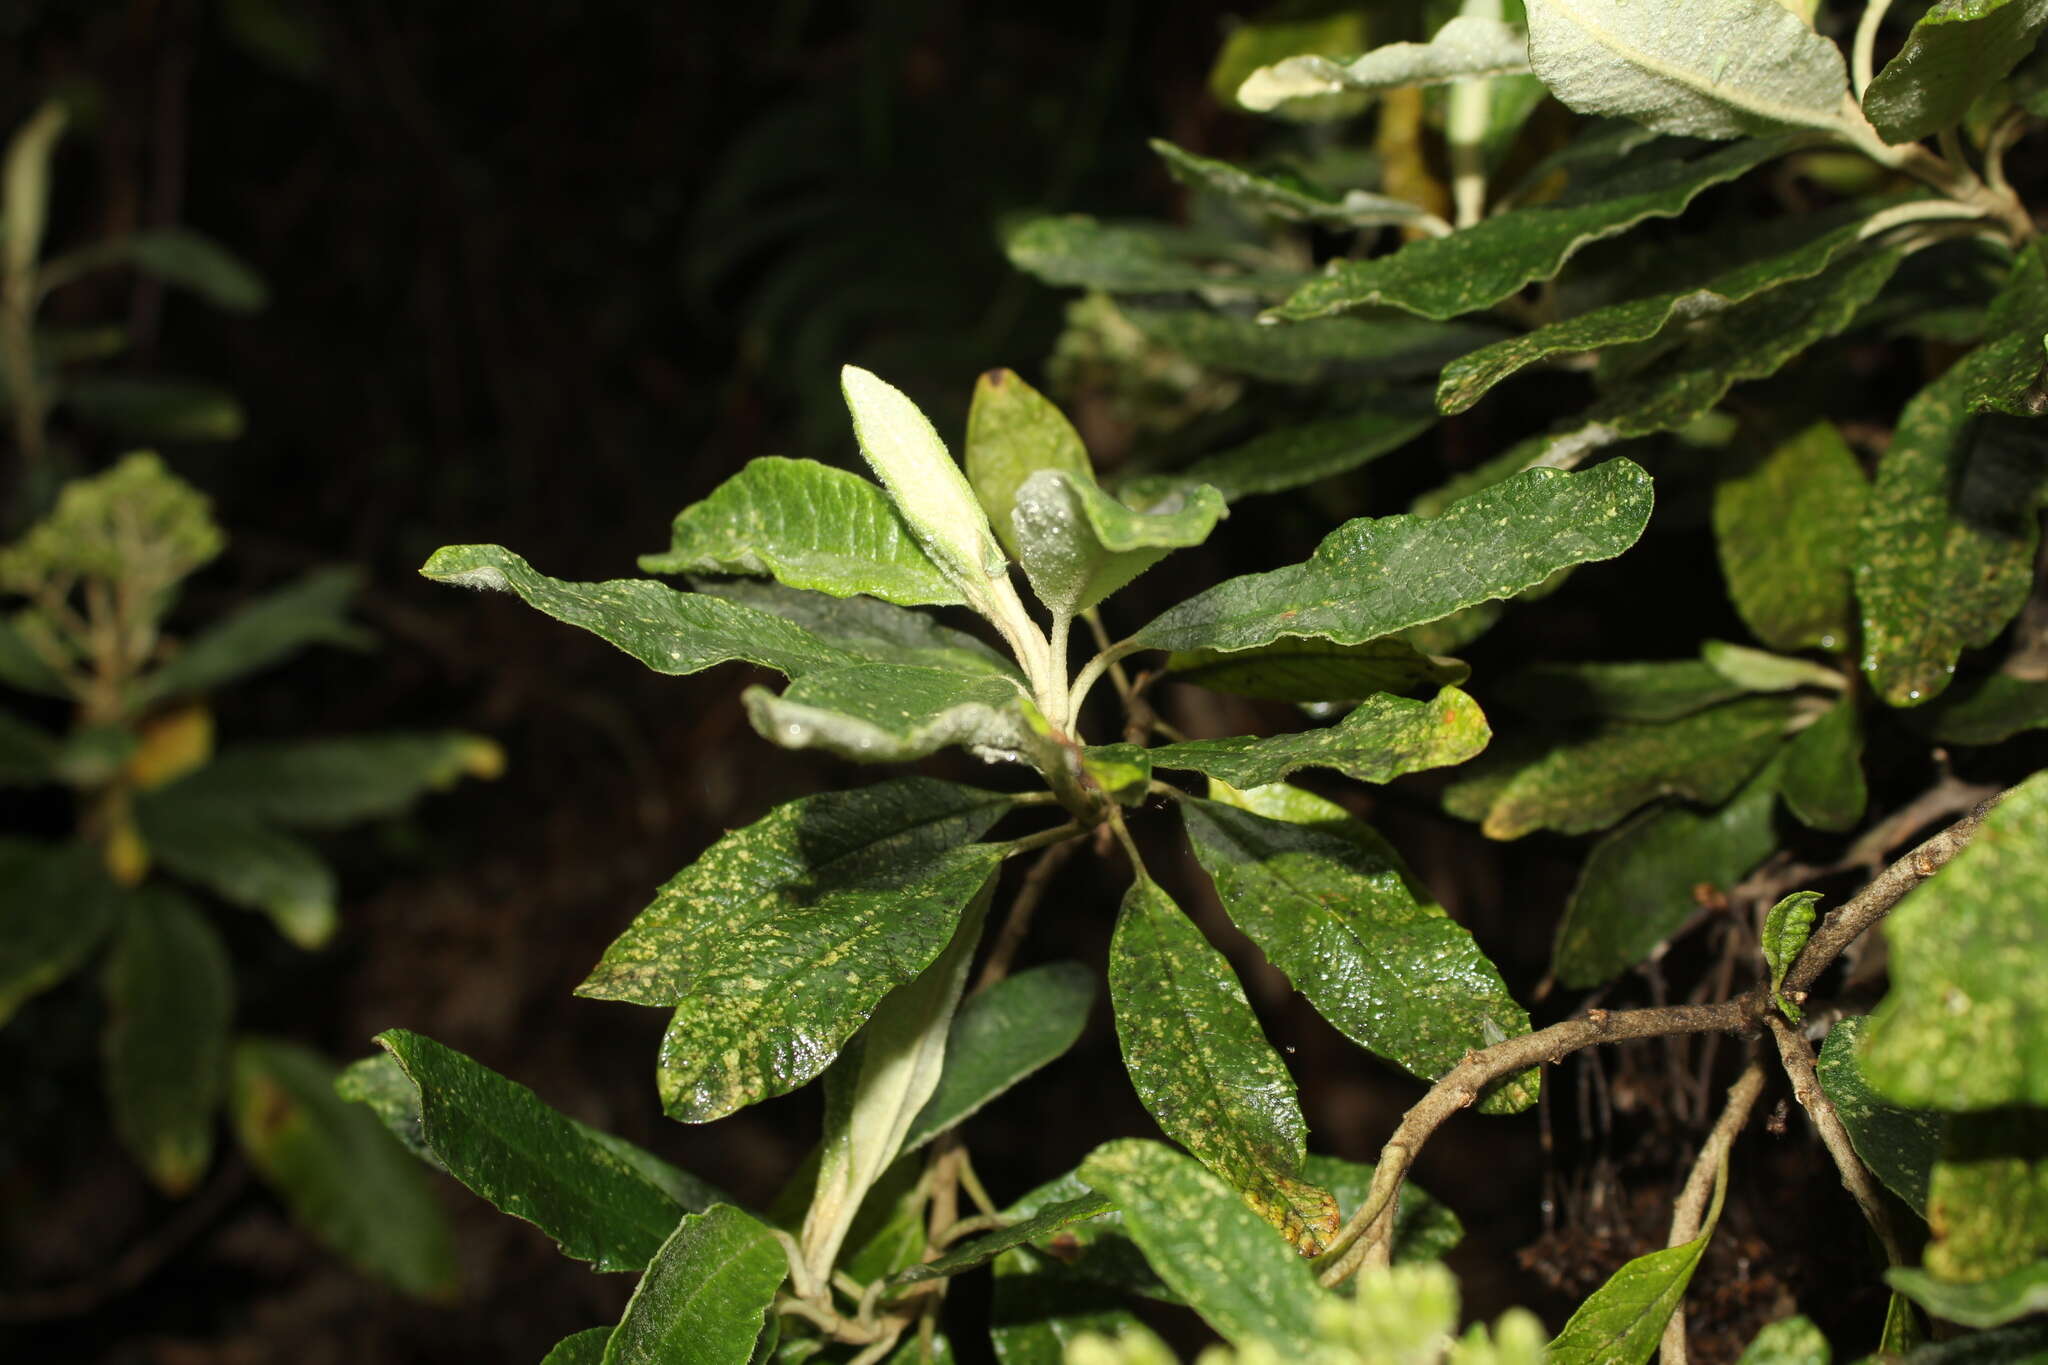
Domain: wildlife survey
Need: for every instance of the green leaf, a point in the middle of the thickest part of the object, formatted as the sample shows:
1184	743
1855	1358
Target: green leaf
982	1250
1957	50
669	631
22	668
1712	68
1622	1321
1787	926
1467	47
1315	670
1278	33
328	783
185	258
1899	1145
1374	576
600	1198
242	860
27	755
1965	1025
1657	691
892	713
1078	544
1759	670
169	997
809	526
1037	1307
1465	380
1205	1071
1244	1281
2021	1344
155	409
1382	345
1984	1303
1639	883
1788	1341
1291	202
1292	457
266	631
1785	517
1902	1327
1478	266
1001	1035
1987	1198
1382	738
705	1295
1988	712
1425	1229
581	1348
25	187
865	627
1948	536
1336	912
1585	785
59	904
1821	776
1076	250
380	1082
1013	431
342	1175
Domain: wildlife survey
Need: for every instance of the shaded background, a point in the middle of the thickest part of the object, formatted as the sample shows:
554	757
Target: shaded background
543	273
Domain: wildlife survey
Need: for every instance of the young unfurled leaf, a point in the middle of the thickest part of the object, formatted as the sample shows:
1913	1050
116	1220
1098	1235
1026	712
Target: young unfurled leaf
1982	1303
1389	968
272	628
1787	926
242	860
1821	775
1785	516
1013	431
1964	1026
1467	379
1244	1281
601	1199
1315	670
1204	1069
1374	576
327	783
1585	785
1645	880
1382	738
169	998
1899	1145
1002	1034
669	631
892	713
60	906
1355	209
1956	51
1274	34
809	526
1478	266
1709	68
344	1177
1987	1197
1621	1322
1078	544
704	1296
1295	456
1758	670
1466	48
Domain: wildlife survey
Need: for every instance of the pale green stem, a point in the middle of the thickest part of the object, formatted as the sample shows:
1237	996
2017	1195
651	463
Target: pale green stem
1471	101
1091	672
1865	49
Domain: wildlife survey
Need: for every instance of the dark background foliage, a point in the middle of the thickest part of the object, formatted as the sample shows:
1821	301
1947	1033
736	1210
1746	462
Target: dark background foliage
544	272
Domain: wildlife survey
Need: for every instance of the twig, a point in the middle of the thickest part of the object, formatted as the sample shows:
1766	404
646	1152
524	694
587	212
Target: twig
1689	1214
1018	923
1797	1054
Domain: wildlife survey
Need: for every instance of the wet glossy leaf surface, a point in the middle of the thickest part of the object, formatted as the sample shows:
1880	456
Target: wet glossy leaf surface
1477	267
1710	68
584	1348
1236	1272
809	526
1202	1066
60	907
981	1250
1000	1036
1785	517
345	1179
865	628
1899	1145
1316	670
891	713
1078	544
1643	881
600	1198
705	1294
1390	969
169	998
1956	51
1381	739
1013	431
1966	1024
1375	576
